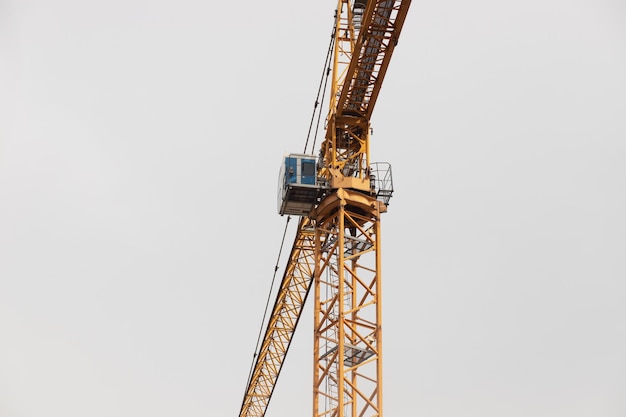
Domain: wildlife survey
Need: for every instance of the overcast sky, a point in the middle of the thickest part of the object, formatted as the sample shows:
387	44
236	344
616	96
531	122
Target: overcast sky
140	143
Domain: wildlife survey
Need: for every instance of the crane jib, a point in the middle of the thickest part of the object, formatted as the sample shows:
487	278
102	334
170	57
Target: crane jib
381	27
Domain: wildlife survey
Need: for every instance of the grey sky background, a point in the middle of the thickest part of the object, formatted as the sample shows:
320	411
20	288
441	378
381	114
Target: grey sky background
140	144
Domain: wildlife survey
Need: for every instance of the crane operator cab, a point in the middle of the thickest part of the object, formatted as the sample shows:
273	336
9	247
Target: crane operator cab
299	189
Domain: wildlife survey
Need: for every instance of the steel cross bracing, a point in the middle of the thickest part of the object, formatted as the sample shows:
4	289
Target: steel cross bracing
348	324
338	244
368	57
366	35
282	322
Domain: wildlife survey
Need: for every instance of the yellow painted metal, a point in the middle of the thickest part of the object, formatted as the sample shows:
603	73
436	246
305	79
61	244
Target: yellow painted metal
347	326
338	244
364	44
282	323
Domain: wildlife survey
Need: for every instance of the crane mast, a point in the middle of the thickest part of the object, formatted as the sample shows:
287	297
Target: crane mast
337	248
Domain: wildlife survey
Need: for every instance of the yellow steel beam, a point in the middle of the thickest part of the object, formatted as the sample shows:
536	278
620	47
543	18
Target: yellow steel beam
348	324
364	44
282	323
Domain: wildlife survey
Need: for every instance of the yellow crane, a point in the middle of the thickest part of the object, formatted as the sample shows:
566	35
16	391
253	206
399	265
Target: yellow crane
339	196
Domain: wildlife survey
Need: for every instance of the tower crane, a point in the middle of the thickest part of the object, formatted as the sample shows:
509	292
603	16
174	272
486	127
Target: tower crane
339	196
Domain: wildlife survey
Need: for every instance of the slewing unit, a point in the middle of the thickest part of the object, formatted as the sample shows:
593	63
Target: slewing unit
299	187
